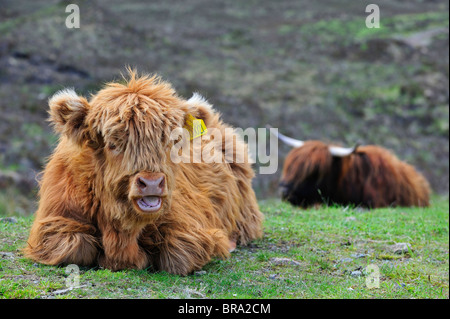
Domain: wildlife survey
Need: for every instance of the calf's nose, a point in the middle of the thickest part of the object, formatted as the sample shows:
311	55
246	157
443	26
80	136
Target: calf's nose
151	184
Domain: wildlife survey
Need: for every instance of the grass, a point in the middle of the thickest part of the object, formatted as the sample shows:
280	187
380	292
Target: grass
324	247
305	61
349	30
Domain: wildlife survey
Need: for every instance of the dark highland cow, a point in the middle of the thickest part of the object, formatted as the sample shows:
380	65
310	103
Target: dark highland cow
369	176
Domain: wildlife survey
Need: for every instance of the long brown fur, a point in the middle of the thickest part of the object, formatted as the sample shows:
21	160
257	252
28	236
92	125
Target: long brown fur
86	215
371	177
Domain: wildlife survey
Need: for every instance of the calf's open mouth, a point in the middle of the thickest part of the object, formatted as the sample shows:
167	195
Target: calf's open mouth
149	203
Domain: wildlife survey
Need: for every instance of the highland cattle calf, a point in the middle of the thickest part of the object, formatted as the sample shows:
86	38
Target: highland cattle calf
111	196
368	176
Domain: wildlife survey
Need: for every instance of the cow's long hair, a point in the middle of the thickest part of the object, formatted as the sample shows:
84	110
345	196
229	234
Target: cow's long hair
87	211
368	176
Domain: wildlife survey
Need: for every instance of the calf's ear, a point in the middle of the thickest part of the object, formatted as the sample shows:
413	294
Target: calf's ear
199	108
68	113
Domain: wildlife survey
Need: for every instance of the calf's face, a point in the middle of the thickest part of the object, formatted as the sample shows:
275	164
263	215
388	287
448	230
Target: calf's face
126	128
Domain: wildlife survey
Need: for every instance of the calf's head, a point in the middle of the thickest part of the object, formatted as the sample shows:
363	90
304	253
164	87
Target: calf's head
125	129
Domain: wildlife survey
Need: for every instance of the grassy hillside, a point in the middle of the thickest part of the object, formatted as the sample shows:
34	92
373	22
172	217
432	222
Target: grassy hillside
312	69
316	253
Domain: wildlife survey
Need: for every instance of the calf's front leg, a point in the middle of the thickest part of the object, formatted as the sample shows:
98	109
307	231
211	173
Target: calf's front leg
184	250
59	240
121	251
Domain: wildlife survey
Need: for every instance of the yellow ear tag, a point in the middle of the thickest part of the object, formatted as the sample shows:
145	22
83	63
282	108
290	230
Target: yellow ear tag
196	127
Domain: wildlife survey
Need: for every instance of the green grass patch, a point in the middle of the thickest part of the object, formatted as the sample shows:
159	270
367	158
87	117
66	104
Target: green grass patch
354	30
325	252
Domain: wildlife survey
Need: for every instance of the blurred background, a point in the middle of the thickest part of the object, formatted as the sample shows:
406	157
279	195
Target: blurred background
311	68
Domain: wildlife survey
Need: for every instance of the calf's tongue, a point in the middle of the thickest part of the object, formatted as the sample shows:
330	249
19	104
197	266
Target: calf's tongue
151	200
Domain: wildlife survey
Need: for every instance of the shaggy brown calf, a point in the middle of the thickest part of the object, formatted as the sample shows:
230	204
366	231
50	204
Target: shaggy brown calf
111	196
370	176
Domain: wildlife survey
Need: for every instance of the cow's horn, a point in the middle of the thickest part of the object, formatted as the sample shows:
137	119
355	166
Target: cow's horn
287	140
342	151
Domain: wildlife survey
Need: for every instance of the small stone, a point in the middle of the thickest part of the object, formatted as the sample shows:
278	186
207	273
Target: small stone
11	220
284	261
200	273
5	254
356	273
61	291
346	260
401	248
350	219
359	255
273	276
